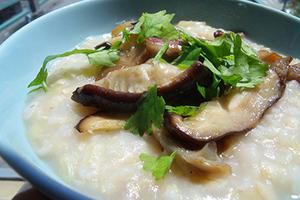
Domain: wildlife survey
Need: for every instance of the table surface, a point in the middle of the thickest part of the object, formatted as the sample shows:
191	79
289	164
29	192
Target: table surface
8	189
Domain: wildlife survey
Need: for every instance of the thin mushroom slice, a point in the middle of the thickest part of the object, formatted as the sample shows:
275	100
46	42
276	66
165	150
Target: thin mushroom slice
281	65
118	29
268	57
285	70
235	112
133	53
204	162
139	78
101	123
153	45
282	68
121	90
294	72
197	29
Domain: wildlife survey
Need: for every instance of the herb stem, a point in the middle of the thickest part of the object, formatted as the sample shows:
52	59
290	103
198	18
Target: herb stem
45	86
162	51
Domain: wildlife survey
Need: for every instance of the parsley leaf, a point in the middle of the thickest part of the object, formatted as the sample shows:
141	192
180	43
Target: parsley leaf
231	61
125	35
40	81
162	51
150	112
96	57
185	111
105	58
159	166
247	70
236	62
210	92
211	66
116	45
155	25
188	57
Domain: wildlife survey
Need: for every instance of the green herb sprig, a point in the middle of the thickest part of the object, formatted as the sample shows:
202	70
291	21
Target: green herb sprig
161	52
155	25
105	58
158	166
149	113
231	61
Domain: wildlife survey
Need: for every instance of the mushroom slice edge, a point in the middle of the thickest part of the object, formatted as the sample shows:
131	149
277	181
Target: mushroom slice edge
105	98
201	164
235	112
99	122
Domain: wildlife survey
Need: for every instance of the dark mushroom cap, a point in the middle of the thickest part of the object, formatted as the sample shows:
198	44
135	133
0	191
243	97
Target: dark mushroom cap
111	100
100	122
203	163
236	112
294	72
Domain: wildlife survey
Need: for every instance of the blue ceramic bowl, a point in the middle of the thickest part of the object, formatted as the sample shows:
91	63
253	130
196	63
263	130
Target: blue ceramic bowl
22	54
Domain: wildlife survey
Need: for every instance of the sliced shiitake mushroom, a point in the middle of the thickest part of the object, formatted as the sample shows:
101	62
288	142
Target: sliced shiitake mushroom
281	64
294	72
104	45
118	29
120	90
234	112
153	45
133	53
281	67
101	122
268	57
204	162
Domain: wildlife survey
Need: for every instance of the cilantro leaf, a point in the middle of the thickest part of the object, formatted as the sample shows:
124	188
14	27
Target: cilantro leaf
125	35
104	58
96	57
162	51
188	57
210	92
159	166
207	63
247	70
116	45
150	112
232	62
185	111
155	25
40	81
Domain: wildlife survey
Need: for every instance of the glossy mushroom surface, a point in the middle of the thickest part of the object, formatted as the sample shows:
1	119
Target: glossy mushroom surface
203	162
294	72
121	90
234	112
134	53
101	123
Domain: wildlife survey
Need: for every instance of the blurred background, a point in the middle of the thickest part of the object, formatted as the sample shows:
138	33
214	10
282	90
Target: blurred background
16	13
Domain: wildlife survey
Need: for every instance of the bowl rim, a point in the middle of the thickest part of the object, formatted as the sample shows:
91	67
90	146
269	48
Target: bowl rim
37	177
50	188
80	3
